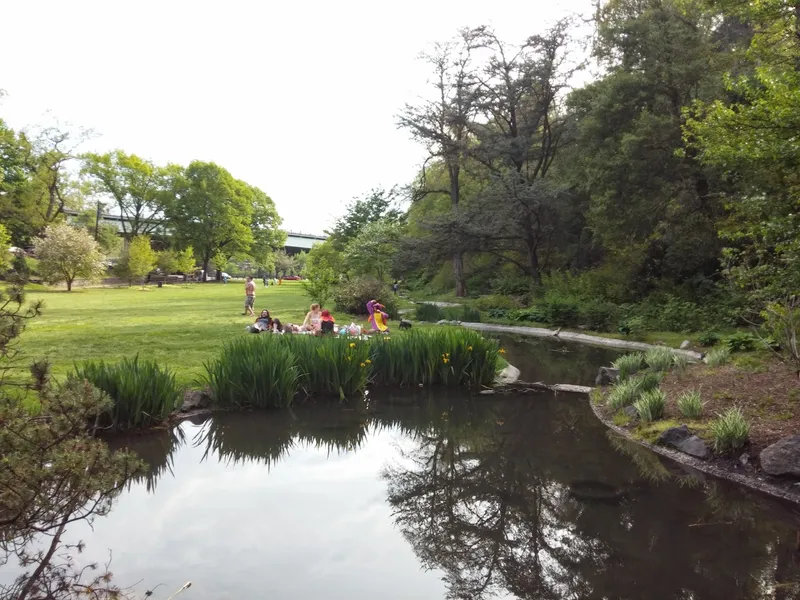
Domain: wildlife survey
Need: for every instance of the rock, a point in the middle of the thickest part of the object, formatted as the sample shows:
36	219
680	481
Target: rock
194	400
510	374
744	459
441	322
488	392
782	457
606	376
631	412
682	439
686	344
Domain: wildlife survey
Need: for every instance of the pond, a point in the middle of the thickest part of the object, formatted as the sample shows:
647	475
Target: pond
432	495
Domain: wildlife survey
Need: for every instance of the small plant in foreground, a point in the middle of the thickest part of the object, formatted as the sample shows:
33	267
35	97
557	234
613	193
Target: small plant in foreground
718	356
730	430
650	405
628	365
143	393
659	359
741	342
691	404
708	339
648	381
680	362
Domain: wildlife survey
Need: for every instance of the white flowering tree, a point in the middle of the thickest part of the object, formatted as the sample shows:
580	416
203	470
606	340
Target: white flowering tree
66	253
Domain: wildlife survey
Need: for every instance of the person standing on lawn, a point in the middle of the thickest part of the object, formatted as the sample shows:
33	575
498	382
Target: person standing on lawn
249	297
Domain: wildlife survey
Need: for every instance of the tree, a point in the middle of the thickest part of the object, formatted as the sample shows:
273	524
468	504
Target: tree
66	253
268	238
442	125
377	205
174	261
137	186
212	212
141	258
5	245
284	263
372	250
106	234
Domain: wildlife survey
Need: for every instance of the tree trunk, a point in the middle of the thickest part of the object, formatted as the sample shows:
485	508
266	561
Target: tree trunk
458	273
206	260
533	256
69	285
458	255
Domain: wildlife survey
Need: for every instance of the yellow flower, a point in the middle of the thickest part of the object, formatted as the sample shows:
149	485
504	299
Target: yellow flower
363	365
352	344
501	351
368	361
469	348
348	358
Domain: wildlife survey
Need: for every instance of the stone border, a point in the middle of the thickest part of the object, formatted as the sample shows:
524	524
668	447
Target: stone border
576	337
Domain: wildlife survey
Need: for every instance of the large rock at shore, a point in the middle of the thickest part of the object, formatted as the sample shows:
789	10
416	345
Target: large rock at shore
683	440
606	376
195	400
782	457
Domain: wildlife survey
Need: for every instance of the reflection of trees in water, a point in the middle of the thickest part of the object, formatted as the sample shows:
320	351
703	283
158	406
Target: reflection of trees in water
156	449
490	505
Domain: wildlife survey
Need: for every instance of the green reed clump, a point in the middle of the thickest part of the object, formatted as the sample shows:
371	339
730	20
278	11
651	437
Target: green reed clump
628	364
650	405
142	392
429	313
626	392
691	404
330	365
446	356
680	362
257	371
730	430
659	359
718	356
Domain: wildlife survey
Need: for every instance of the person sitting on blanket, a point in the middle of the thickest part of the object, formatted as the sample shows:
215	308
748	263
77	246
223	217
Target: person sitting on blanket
262	323
312	320
377	317
326	322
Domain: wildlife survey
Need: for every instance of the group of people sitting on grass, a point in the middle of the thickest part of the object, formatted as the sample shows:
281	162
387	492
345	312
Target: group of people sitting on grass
321	322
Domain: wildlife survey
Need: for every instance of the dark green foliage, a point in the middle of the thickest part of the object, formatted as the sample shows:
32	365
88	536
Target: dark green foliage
254	371
445	356
496	301
328	366
429	313
469	315
142	393
741	342
352	296
708	339
20	266
499	313
562	312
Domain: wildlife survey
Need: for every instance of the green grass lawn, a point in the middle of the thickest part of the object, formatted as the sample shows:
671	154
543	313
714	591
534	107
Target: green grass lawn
181	326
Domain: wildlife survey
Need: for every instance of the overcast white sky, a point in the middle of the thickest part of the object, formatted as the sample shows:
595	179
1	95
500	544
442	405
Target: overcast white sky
298	99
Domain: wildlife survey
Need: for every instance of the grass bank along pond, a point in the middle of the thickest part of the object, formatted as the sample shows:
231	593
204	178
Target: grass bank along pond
430	494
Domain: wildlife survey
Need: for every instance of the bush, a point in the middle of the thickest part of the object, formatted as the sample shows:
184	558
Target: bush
462	313
659	359
496	301
599	316
352	296
429	313
690	404
534	314
561	312
730	430
499	313
718	356
741	342
142	393
329	365
708	339
442	356
254	371
628	364
650	405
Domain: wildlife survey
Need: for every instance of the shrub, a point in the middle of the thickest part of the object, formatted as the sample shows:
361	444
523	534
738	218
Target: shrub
650	405
632	325
659	359
708	339
254	371
598	316
690	404
730	430
496	301
628	364
562	312
718	356
142	393
442	356
462	313
741	342
352	296
429	313
329	365
499	313
534	314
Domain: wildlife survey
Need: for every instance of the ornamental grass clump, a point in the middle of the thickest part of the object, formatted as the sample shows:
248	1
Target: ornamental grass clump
650	405
330	365
718	356
691	404
445	356
628	364
730	430
143	394
626	392
254	371
680	363
659	359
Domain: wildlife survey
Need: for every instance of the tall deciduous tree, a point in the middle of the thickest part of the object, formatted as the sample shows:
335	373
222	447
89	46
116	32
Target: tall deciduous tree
66	253
137	186
373	250
141	258
379	204
441	124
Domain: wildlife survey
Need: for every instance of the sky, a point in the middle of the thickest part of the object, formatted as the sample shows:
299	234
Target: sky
298	99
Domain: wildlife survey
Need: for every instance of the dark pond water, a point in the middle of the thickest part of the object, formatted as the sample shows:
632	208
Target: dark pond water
433	496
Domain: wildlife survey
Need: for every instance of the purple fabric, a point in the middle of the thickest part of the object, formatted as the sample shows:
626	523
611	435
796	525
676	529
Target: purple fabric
371	307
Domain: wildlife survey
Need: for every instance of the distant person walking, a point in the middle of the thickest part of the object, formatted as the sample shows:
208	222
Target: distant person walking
395	286
266	281
249	297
